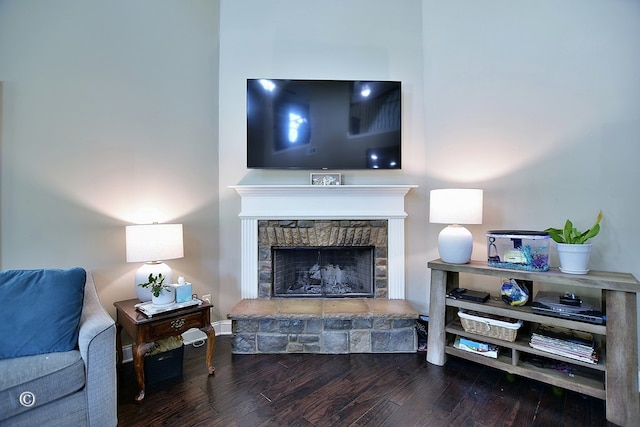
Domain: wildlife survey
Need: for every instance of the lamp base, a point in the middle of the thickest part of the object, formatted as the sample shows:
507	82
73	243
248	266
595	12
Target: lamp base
455	244
142	276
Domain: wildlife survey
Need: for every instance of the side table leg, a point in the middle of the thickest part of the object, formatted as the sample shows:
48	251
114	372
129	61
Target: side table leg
139	350
211	343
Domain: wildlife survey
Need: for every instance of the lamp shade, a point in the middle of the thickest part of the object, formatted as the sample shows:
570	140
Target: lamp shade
154	242
456	206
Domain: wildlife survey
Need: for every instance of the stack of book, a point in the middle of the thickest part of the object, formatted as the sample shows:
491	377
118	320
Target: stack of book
477	347
565	342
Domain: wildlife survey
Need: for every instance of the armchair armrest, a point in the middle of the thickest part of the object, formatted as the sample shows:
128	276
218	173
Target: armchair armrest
96	342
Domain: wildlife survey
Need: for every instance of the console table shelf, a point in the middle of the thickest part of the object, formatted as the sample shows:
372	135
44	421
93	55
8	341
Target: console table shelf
614	378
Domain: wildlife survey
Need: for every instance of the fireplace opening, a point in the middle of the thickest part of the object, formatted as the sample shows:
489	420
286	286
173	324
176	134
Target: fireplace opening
323	271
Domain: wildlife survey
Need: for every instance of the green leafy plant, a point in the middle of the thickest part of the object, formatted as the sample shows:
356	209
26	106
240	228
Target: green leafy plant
570	235
156	284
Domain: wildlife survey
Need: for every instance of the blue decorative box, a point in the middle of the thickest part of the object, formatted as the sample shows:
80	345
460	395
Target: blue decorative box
518	249
183	292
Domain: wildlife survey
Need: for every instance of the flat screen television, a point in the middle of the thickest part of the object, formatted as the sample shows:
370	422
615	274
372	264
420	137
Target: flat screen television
323	124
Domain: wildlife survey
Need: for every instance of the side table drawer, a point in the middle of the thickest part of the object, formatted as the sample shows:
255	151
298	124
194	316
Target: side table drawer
174	326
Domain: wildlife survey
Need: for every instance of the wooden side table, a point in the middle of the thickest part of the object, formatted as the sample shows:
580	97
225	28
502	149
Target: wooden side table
146	330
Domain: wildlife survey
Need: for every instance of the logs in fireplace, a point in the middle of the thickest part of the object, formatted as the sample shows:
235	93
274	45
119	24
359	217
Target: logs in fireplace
323	271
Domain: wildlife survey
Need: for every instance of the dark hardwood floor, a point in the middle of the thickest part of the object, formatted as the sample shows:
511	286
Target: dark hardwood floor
348	390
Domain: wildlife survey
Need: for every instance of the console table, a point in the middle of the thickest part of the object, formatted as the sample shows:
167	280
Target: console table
146	330
614	378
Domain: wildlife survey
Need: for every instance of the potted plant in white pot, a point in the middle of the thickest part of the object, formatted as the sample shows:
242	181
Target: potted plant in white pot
573	250
161	294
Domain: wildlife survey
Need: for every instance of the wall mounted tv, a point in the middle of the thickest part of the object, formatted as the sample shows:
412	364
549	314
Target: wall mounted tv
323	124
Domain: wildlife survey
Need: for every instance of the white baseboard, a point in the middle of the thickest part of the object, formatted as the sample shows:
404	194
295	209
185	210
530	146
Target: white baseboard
193	337
222	327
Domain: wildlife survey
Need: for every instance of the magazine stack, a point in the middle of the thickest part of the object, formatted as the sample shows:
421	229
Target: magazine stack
565	342
477	347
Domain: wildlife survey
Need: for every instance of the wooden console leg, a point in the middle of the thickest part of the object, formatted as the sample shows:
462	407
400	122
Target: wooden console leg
139	350
623	404
211	343
436	338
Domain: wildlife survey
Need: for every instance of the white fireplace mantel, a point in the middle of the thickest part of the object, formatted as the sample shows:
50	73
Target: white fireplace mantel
322	202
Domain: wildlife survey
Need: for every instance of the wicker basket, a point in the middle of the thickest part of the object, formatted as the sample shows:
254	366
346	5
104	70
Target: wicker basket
487	325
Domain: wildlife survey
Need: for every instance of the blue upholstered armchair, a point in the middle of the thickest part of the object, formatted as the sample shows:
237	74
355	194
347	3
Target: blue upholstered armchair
57	350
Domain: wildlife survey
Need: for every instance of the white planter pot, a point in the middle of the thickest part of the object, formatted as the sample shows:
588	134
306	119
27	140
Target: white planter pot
166	297
574	259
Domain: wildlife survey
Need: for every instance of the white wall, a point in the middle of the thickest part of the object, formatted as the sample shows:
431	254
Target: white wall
109	110
111	107
540	106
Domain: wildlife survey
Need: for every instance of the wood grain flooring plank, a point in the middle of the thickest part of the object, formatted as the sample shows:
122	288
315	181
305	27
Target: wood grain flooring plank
370	392
417	388
376	416
394	390
352	396
415	398
489	394
297	381
574	410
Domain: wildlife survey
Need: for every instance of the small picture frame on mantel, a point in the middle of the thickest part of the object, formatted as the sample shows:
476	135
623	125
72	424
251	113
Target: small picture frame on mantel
326	179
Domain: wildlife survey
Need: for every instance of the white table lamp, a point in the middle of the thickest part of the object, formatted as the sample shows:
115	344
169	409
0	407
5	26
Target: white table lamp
455	206
152	244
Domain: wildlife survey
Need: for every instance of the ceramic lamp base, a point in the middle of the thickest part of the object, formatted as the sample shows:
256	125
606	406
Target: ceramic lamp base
142	276
455	244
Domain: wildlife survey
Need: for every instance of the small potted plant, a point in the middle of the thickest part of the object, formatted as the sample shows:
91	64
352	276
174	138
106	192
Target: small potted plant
573	250
161	294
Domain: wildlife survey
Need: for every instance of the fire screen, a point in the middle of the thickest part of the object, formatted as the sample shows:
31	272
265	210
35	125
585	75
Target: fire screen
323	271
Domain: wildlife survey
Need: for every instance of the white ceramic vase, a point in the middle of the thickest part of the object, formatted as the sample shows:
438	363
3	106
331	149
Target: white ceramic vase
574	259
143	294
166	297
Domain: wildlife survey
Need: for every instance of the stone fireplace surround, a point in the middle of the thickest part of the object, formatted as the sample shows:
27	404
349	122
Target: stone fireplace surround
335	325
321	233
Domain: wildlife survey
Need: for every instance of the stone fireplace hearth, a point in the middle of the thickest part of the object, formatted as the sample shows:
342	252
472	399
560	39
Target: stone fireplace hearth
323	325
314	218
